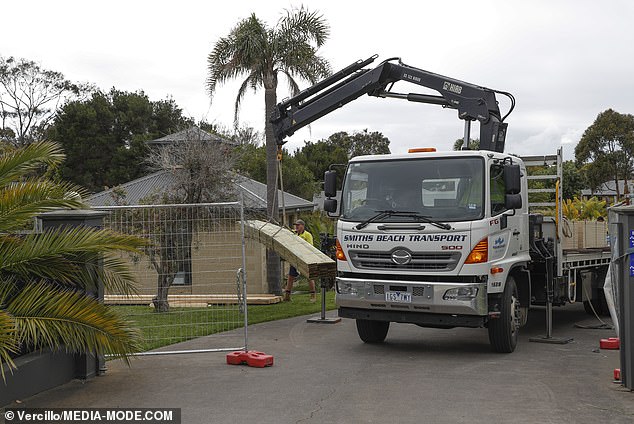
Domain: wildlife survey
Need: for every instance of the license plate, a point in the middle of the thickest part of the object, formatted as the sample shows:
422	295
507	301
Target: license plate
398	297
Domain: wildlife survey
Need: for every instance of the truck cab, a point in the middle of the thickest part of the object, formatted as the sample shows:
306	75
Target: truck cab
436	239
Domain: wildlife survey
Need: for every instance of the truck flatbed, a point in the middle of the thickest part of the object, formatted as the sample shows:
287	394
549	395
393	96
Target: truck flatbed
582	258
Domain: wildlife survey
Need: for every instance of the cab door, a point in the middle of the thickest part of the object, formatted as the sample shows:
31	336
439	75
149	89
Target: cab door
504	239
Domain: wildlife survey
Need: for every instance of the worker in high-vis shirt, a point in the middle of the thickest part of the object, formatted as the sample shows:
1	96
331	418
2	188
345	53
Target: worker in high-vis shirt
300	229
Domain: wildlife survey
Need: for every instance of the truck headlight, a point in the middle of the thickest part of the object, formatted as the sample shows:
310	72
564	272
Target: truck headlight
461	293
352	288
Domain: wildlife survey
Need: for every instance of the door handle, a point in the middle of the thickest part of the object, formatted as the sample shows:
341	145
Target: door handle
516	233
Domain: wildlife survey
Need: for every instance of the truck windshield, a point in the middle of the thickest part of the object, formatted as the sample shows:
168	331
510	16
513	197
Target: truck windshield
443	189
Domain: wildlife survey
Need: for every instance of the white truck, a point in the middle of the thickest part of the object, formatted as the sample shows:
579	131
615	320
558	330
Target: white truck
443	239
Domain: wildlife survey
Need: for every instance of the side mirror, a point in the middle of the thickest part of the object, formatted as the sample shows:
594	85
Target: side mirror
330	205
512	179
330	183
513	201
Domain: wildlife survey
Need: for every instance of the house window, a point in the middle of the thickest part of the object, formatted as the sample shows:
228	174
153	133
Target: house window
182	278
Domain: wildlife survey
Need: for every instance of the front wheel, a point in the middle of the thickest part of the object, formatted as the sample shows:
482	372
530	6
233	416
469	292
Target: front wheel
372	331
503	331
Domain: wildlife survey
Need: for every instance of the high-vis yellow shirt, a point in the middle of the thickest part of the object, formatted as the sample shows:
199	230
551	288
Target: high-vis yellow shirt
307	236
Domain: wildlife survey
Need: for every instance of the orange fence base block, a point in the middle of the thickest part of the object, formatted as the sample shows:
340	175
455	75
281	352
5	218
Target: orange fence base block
612	343
250	358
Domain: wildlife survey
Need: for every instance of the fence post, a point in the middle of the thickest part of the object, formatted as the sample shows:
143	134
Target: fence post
87	365
244	274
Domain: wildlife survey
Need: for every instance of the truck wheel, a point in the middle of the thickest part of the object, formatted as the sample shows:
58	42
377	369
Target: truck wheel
503	331
372	331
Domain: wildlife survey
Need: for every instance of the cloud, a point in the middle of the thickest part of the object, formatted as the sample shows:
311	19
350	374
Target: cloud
564	61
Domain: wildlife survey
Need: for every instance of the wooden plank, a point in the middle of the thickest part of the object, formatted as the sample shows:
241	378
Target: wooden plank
308	260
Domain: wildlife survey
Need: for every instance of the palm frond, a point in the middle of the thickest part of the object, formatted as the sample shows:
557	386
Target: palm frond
46	316
110	270
17	163
303	25
252	82
21	201
241	52
221	64
311	68
297	38
293	87
8	343
61	253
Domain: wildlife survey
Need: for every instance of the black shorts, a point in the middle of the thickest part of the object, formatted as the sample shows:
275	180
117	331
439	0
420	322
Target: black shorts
293	272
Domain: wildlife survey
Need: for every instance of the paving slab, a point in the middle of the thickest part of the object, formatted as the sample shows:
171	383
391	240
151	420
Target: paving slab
325	374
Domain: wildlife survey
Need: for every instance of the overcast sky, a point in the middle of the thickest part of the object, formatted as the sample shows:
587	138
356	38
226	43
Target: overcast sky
565	61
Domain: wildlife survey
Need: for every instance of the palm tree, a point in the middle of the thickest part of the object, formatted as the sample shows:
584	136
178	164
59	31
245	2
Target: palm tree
44	276
261	53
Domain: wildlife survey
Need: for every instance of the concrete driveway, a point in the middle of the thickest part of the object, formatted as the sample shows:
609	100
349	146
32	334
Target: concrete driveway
325	374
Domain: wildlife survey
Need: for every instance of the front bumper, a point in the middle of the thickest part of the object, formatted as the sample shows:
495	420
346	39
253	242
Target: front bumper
426	297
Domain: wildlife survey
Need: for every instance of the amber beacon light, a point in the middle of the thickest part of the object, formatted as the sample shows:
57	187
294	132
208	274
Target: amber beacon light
422	150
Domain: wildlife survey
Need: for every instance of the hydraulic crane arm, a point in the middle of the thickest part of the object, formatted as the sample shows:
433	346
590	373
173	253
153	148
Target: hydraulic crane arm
471	101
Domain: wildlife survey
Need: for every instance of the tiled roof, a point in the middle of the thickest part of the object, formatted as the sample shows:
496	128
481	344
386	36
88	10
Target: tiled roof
192	133
608	189
142	188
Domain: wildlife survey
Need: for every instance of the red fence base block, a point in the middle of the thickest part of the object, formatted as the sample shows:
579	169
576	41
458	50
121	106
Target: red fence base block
617	375
612	343
235	358
259	359
251	358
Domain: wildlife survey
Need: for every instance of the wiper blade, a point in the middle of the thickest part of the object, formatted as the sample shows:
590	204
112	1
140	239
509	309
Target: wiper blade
411	214
379	215
427	219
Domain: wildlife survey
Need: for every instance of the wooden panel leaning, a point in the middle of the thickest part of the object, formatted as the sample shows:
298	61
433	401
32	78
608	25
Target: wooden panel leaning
308	260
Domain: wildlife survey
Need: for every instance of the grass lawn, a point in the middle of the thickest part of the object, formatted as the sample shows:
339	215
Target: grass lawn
182	324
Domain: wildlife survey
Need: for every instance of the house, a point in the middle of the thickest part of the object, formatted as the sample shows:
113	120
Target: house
137	191
607	191
189	134
207	266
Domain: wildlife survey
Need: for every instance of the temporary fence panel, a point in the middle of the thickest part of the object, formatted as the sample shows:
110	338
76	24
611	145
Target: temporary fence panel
191	276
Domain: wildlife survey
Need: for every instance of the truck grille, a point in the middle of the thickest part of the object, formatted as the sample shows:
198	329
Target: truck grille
421	261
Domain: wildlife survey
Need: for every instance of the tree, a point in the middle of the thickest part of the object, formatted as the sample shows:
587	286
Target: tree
251	162
240	135
201	172
262	54
304	169
575	209
44	276
105	136
29	98
474	144
298	178
339	148
606	149
318	156
573	180
361	143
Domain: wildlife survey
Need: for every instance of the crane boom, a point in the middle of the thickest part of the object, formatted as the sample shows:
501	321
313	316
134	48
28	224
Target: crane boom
473	103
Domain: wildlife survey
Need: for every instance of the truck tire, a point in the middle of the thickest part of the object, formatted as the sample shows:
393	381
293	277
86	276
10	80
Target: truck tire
503	331
372	331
